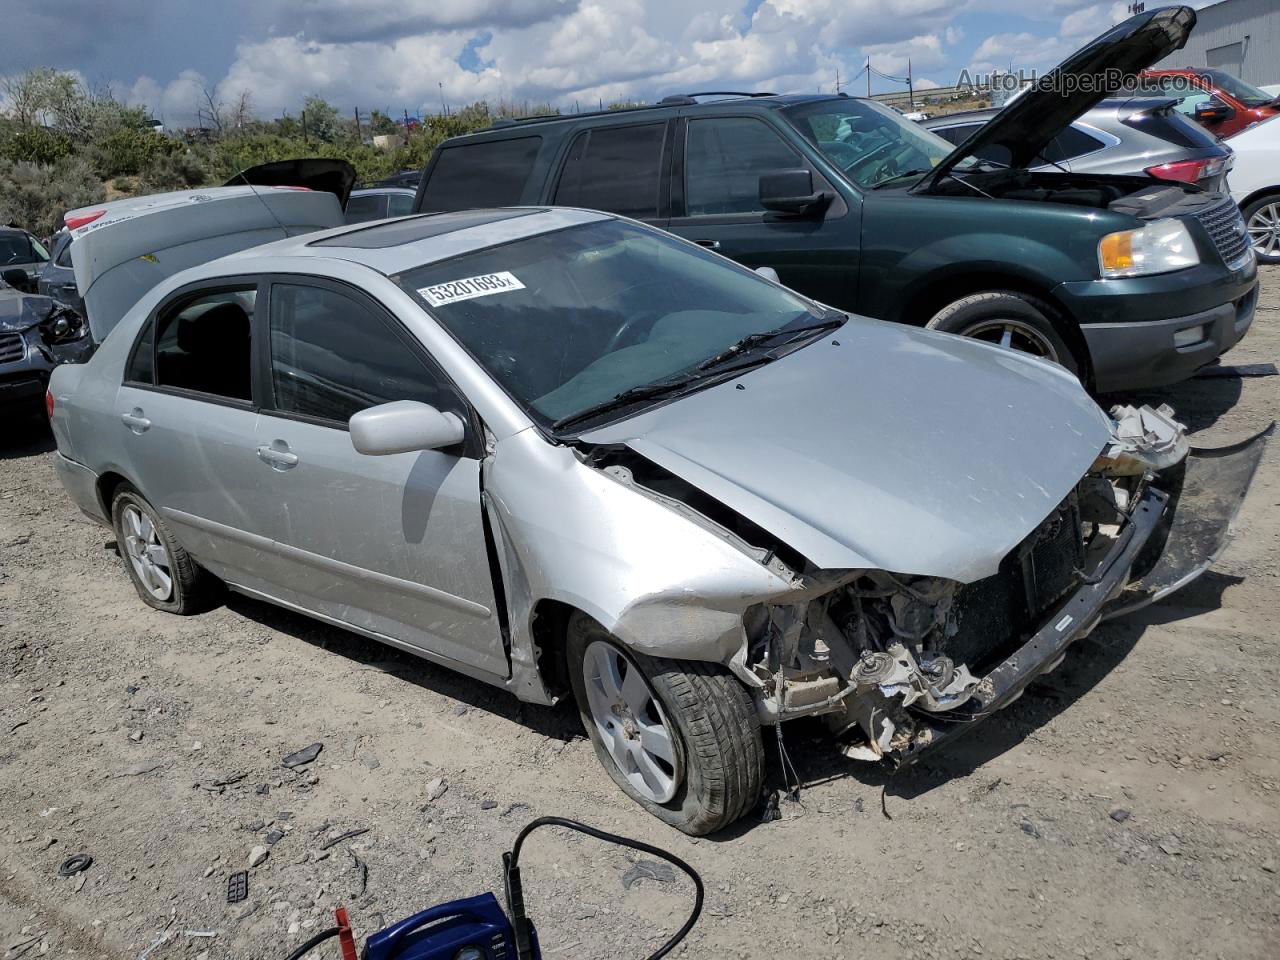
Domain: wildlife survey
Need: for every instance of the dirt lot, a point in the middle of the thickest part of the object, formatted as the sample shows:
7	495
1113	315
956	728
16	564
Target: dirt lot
1128	806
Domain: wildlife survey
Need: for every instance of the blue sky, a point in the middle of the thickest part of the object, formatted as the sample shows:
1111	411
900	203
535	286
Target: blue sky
401	54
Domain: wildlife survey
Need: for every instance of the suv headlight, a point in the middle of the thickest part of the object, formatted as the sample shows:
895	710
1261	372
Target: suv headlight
1159	247
63	325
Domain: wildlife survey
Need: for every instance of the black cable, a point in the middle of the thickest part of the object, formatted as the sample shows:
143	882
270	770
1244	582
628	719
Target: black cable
311	944
515	897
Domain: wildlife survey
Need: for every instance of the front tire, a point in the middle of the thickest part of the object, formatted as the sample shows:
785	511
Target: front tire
164	574
1008	319
681	738
1262	220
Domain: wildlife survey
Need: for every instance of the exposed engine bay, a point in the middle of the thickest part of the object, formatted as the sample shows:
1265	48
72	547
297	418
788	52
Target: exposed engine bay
875	651
1140	197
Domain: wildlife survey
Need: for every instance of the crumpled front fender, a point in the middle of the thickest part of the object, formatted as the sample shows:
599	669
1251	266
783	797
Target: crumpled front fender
664	581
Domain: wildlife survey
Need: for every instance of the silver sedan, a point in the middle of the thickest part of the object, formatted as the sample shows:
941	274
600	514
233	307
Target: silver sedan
574	456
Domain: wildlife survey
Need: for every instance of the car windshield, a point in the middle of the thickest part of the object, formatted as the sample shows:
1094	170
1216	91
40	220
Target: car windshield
20	248
869	142
567	321
1246	93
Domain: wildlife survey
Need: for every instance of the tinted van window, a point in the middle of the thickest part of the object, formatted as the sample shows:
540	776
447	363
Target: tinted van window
332	356
488	174
617	169
205	345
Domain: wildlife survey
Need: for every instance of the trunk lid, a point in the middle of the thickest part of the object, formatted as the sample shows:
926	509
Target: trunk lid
315	173
1025	127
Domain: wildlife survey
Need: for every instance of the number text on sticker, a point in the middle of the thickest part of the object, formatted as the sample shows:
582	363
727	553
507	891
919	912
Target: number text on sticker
470	288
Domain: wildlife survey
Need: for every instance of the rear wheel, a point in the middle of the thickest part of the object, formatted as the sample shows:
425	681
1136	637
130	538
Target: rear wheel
681	738
1262	220
1007	319
164	574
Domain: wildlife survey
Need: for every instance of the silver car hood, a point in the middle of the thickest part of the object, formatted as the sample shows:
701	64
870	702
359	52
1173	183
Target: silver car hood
897	449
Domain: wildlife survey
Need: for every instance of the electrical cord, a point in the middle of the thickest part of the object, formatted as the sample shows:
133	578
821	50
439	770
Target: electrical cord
314	942
515	894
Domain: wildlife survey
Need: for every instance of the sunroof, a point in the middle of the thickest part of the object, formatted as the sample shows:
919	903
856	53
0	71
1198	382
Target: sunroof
412	229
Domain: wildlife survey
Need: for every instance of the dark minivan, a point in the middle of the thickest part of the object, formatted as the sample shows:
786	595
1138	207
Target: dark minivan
1127	282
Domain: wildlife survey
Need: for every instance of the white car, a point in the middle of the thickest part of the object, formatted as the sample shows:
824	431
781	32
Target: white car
1254	182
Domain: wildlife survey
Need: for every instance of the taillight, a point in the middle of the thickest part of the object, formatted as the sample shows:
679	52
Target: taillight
1184	171
48	403
74	223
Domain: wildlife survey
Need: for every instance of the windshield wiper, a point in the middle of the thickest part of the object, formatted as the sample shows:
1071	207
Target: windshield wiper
644	391
902	176
753	340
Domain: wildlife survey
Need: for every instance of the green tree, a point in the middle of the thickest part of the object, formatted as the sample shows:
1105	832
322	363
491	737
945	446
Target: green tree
36	196
320	118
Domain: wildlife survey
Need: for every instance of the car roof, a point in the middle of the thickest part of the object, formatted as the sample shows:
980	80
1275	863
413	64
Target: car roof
401	243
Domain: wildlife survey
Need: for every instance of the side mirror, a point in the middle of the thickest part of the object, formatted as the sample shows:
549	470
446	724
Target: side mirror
17	279
404	426
1213	110
791	191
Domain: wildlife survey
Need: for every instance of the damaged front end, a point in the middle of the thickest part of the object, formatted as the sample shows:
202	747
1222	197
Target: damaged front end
898	663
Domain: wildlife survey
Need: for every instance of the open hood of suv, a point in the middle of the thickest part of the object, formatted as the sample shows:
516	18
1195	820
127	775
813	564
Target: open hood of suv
1060	97
315	173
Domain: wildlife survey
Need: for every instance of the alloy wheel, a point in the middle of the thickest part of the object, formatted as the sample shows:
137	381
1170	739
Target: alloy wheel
148	556
1264	230
1012	334
630	722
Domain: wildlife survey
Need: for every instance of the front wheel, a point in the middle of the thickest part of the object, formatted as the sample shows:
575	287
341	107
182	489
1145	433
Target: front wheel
1262	220
681	738
1006	319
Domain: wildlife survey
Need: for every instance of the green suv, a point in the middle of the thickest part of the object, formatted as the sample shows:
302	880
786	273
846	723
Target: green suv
1128	281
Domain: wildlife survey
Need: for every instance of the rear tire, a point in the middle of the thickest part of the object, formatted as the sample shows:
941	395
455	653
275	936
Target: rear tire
1262	219
716	769
1009	319
164	574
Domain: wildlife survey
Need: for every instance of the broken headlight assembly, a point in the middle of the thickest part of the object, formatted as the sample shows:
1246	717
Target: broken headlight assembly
62	326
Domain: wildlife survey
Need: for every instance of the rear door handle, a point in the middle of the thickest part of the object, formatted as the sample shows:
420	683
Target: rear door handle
279	457
709	244
135	421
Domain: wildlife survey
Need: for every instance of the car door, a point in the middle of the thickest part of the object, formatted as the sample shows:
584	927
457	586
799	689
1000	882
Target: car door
716	204
620	168
186	414
396	544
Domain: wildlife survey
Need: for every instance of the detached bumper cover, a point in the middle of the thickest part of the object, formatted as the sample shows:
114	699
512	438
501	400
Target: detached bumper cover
1185	529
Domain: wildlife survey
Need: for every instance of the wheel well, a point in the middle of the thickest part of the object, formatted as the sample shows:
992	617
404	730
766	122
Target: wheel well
108	483
550	631
934	296
1258	195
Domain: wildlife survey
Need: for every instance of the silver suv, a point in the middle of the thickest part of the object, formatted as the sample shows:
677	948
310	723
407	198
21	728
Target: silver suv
1133	135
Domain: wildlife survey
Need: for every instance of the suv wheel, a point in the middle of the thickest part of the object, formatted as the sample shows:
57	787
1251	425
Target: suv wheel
164	574
1007	319
681	738
1262	219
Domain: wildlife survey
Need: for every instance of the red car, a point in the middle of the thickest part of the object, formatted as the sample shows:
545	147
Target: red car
1219	102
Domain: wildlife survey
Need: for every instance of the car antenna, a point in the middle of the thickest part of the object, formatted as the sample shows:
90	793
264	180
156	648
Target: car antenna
284	232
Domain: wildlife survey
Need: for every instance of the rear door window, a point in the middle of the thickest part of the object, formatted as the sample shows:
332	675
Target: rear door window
724	157
333	355
62	252
368	207
616	169
1071	142
205	345
492	173
399	204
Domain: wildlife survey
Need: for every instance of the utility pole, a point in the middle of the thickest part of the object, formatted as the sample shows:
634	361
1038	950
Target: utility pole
911	90
868	78
837	81
304	126
443	106
359	133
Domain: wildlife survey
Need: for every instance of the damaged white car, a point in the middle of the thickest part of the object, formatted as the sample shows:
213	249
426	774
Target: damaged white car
571	455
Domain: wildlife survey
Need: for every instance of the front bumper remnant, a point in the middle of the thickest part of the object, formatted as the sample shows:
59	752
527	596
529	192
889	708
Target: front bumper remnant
1182	532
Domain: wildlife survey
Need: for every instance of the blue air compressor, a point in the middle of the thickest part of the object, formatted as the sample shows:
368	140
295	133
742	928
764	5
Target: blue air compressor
478	928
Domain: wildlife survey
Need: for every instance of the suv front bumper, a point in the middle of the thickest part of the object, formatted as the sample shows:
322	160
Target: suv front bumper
1129	324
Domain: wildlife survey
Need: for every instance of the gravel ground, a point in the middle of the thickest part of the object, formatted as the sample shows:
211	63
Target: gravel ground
1126	807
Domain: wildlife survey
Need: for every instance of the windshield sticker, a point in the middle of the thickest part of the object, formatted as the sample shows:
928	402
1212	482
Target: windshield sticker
484	285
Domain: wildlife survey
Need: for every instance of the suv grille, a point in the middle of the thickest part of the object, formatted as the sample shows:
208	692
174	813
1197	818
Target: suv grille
1225	226
11	347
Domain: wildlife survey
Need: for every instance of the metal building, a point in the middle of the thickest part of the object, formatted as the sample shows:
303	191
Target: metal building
1241	37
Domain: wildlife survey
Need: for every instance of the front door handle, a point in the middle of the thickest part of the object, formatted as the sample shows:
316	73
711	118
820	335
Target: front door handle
277	455
709	244
135	421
